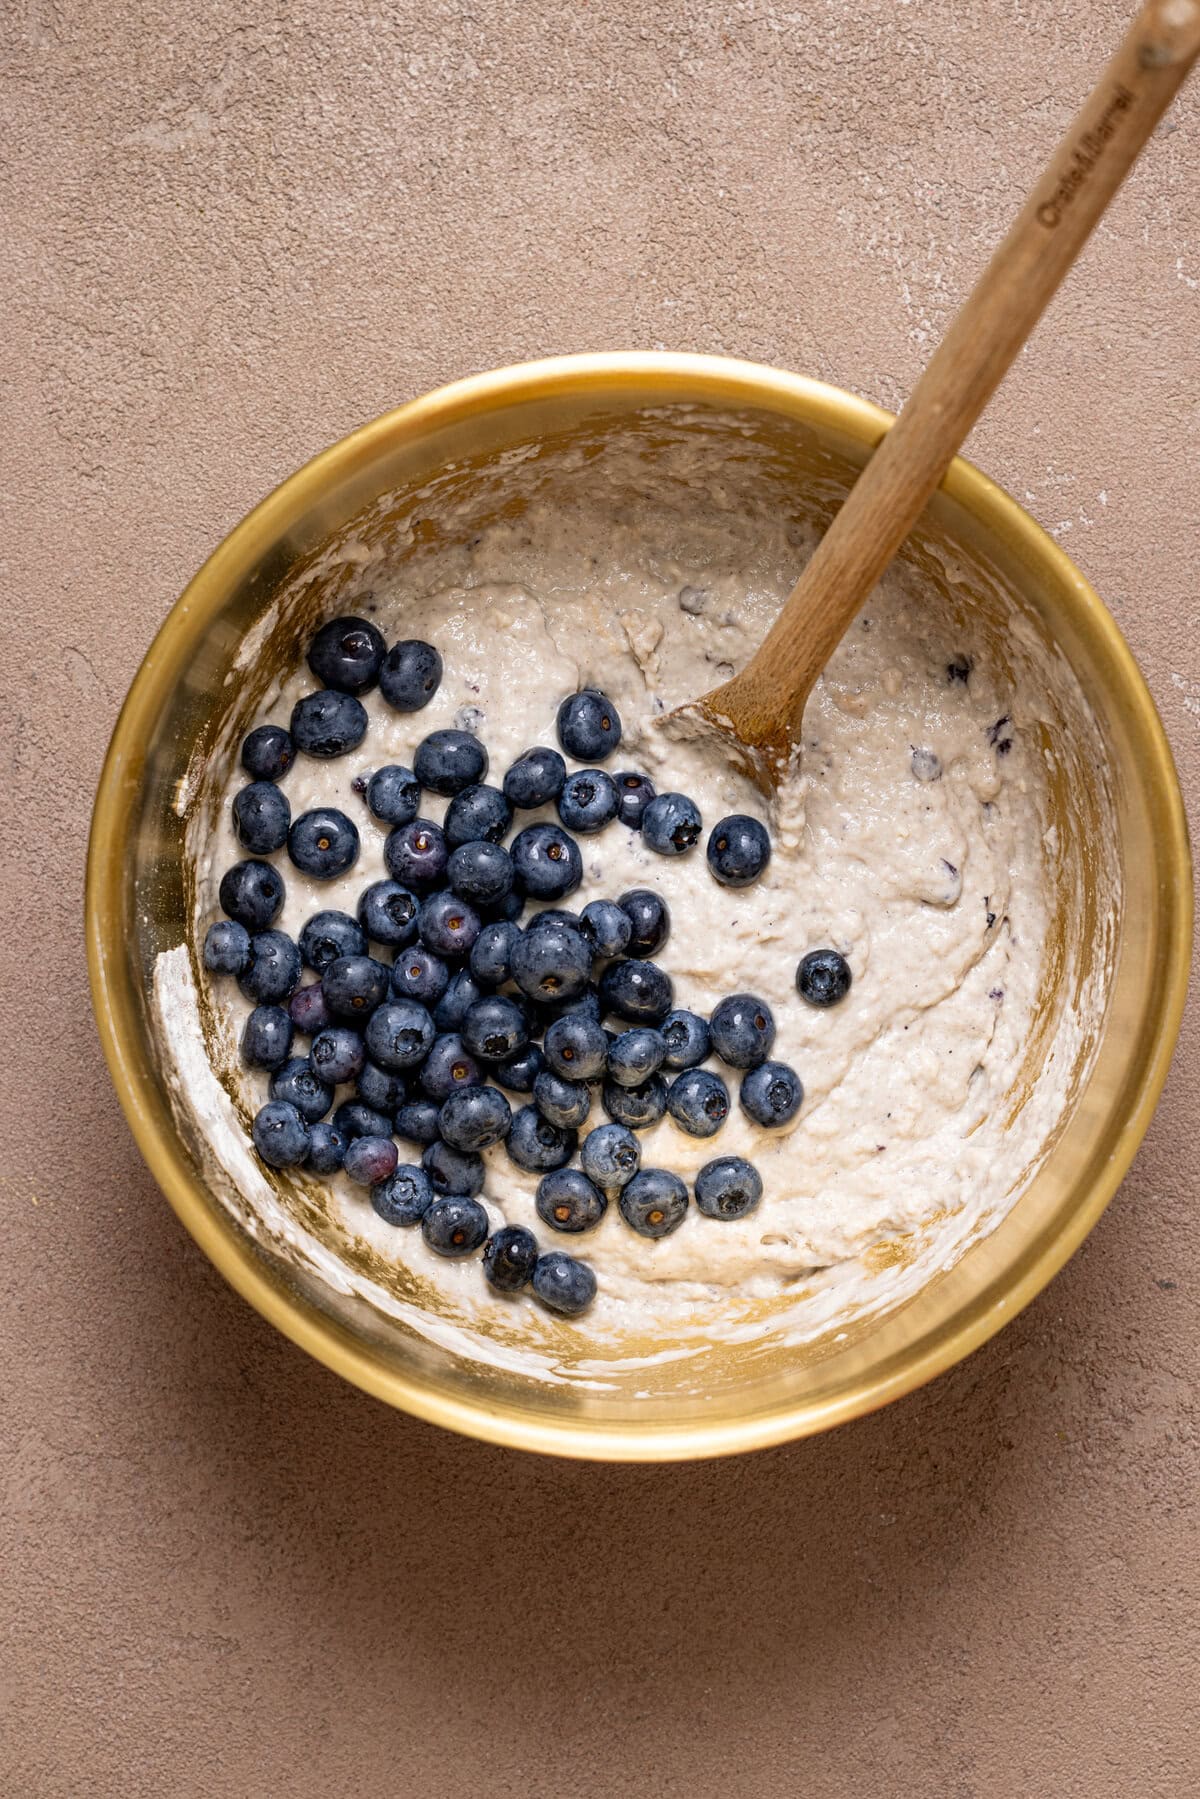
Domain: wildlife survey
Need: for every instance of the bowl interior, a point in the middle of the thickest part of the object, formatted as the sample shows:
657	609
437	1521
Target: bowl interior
1114	957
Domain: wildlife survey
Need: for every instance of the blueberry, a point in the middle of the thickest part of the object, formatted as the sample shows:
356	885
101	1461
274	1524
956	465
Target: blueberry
418	974
323	843
328	723
671	824
823	977
687	1039
586	1005
370	1160
536	1144
387	913
638	991
457	1000
552	962
607	929
546	862
477	815
698	1101
728	1188
268	753
610	1156
353	986
480	872
328	935
307	1009
509	1258
506	910
562	1284
638	1107
266	1038
519	1073
495	1028
634	793
272	972
475	1118
417	1121
455	1226
410	675
251	893
226	947
491	951
448	761
301	1086
394	794
280	1135
589	725
654	1203
576	1048
535	779
326	1149
346	654
588	801
382	1091
399	1034
771	1094
261	816
404	1197
554	915
415	853
354	1119
738	850
568	1201
635	1055
743	1030
337	1054
565	1103
453	1170
448	1066
650	919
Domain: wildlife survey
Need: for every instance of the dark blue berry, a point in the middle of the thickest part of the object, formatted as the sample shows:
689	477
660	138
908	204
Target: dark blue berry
399	1034
404	1197
453	1170
687	1038
388	913
280	1135
535	779
328	723
272	972
588	801
448	1066
637	1107
638	991
565	1103
480	872
410	675
353	986
448	761
418	974
519	1073
551	962
457	1000
650	921
589	725
549	915
568	1201
307	1009
635	1055
455	1226
337	1054
370	1160
416	854
654	1203
382	1091
562	1284
546	862
354	1119
261	816
475	1118
477	815
346	654
771	1094
743	1030
326	1149
536	1144
728	1188
266	1038
607	929
268	753
610	1156
226	947
301	1086
738	850
823	977
506	910
323	843
394	794
698	1101
491	951
328	935
634	793
576	1047
495	1028
509	1258
251	893
671	824
417	1121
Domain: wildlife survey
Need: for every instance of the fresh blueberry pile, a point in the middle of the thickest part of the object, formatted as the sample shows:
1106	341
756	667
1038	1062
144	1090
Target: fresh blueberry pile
483	997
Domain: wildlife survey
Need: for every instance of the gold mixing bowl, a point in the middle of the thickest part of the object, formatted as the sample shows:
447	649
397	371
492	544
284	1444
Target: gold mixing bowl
1121	832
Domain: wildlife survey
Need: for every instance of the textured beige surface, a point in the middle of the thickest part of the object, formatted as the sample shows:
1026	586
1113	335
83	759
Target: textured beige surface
232	233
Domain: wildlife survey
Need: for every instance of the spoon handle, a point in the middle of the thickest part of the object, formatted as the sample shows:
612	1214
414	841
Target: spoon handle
765	701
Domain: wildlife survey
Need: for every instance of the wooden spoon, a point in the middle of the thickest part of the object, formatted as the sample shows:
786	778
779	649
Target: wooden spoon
757	714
